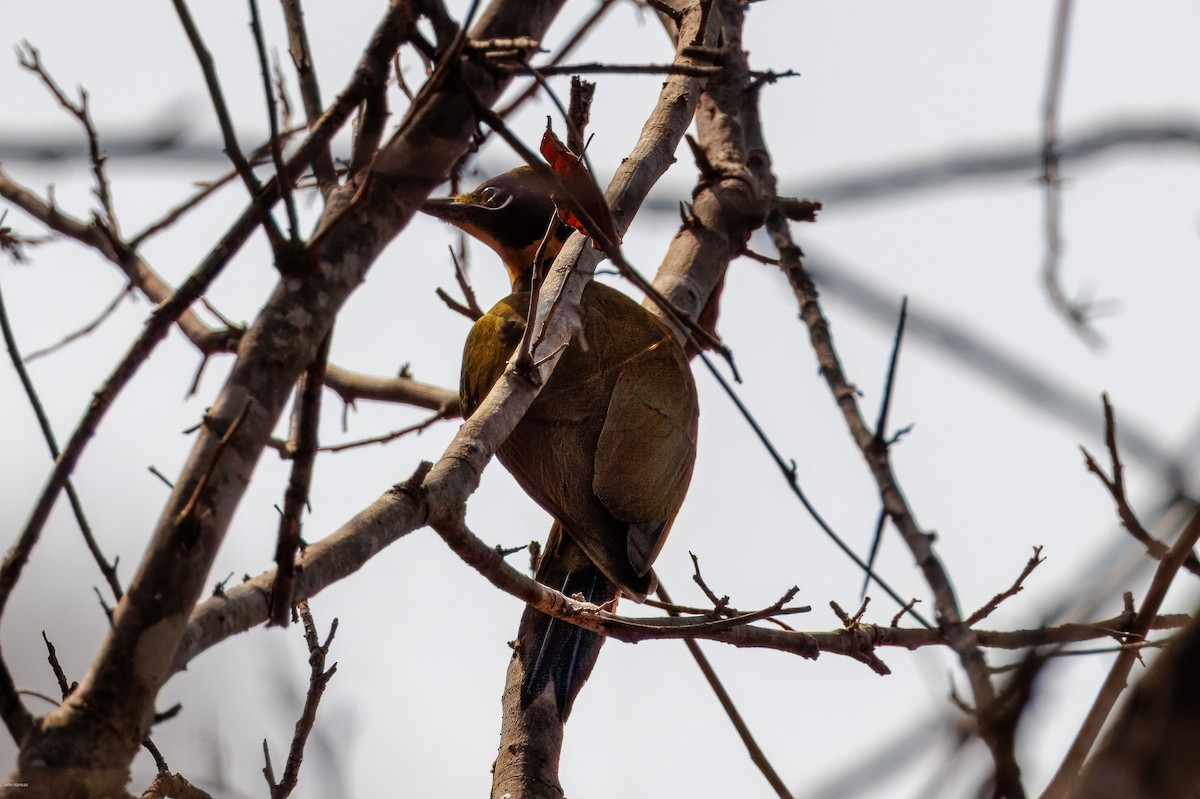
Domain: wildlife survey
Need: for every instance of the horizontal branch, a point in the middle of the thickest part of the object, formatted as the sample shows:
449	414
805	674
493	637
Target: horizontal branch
402	510
348	384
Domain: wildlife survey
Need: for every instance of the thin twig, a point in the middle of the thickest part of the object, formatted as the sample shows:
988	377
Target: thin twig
720	605
1118	675
64	687
285	184
524	359
1116	489
302	446
1077	312
310	90
30	59
460	276
757	756
260	155
1018	585
595	67
160	762
168	312
577	36
186	514
386	437
881	425
18	554
232	149
318	679
125	291
455	305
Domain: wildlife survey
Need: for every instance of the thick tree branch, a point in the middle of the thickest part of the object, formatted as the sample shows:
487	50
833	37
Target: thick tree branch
114	702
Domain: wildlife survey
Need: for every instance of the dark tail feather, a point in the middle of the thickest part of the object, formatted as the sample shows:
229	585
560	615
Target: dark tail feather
555	651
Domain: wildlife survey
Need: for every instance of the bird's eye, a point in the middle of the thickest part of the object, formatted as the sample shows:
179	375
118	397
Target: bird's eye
491	197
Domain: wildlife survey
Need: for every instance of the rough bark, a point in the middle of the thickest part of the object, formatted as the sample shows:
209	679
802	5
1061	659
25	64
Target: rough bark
1150	751
84	747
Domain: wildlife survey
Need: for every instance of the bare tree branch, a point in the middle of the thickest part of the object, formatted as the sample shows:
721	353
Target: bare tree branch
1114	684
1076	312
181	552
318	680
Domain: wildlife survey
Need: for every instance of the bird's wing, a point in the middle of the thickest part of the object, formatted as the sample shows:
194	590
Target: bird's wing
647	448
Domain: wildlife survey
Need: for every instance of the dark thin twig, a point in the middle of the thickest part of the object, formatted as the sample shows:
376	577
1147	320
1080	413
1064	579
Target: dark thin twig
371	123
693	70
873	552
386	437
460	276
757	756
1077	312
727	612
1018	585
318	679
285	184
455	305
30	59
168	313
566	49
789	474
189	507
895	622
282	446
881	424
64	687
125	291
721	604
302	445
662	7
260	155
885	404
160	762
232	149
1116	489
524	361
18	554
310	89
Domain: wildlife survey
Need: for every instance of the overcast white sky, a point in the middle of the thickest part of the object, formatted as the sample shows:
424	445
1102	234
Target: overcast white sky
421	646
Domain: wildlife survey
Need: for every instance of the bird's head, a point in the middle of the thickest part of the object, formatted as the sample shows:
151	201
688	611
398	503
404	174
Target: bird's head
510	214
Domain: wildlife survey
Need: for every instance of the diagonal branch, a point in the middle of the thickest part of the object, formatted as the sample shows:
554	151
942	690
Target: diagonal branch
310	90
960	637
1118	676
275	141
174	568
30	59
232	149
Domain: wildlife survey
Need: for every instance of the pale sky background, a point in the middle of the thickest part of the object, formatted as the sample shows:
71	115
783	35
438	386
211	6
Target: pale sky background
413	710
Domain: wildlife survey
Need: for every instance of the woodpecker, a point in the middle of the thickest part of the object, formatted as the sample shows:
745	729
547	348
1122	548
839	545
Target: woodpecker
606	448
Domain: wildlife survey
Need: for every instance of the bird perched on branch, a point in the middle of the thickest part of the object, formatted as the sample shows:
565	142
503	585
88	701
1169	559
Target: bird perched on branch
606	448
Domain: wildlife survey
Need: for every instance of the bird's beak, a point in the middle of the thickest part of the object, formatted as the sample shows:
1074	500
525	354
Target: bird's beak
449	209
